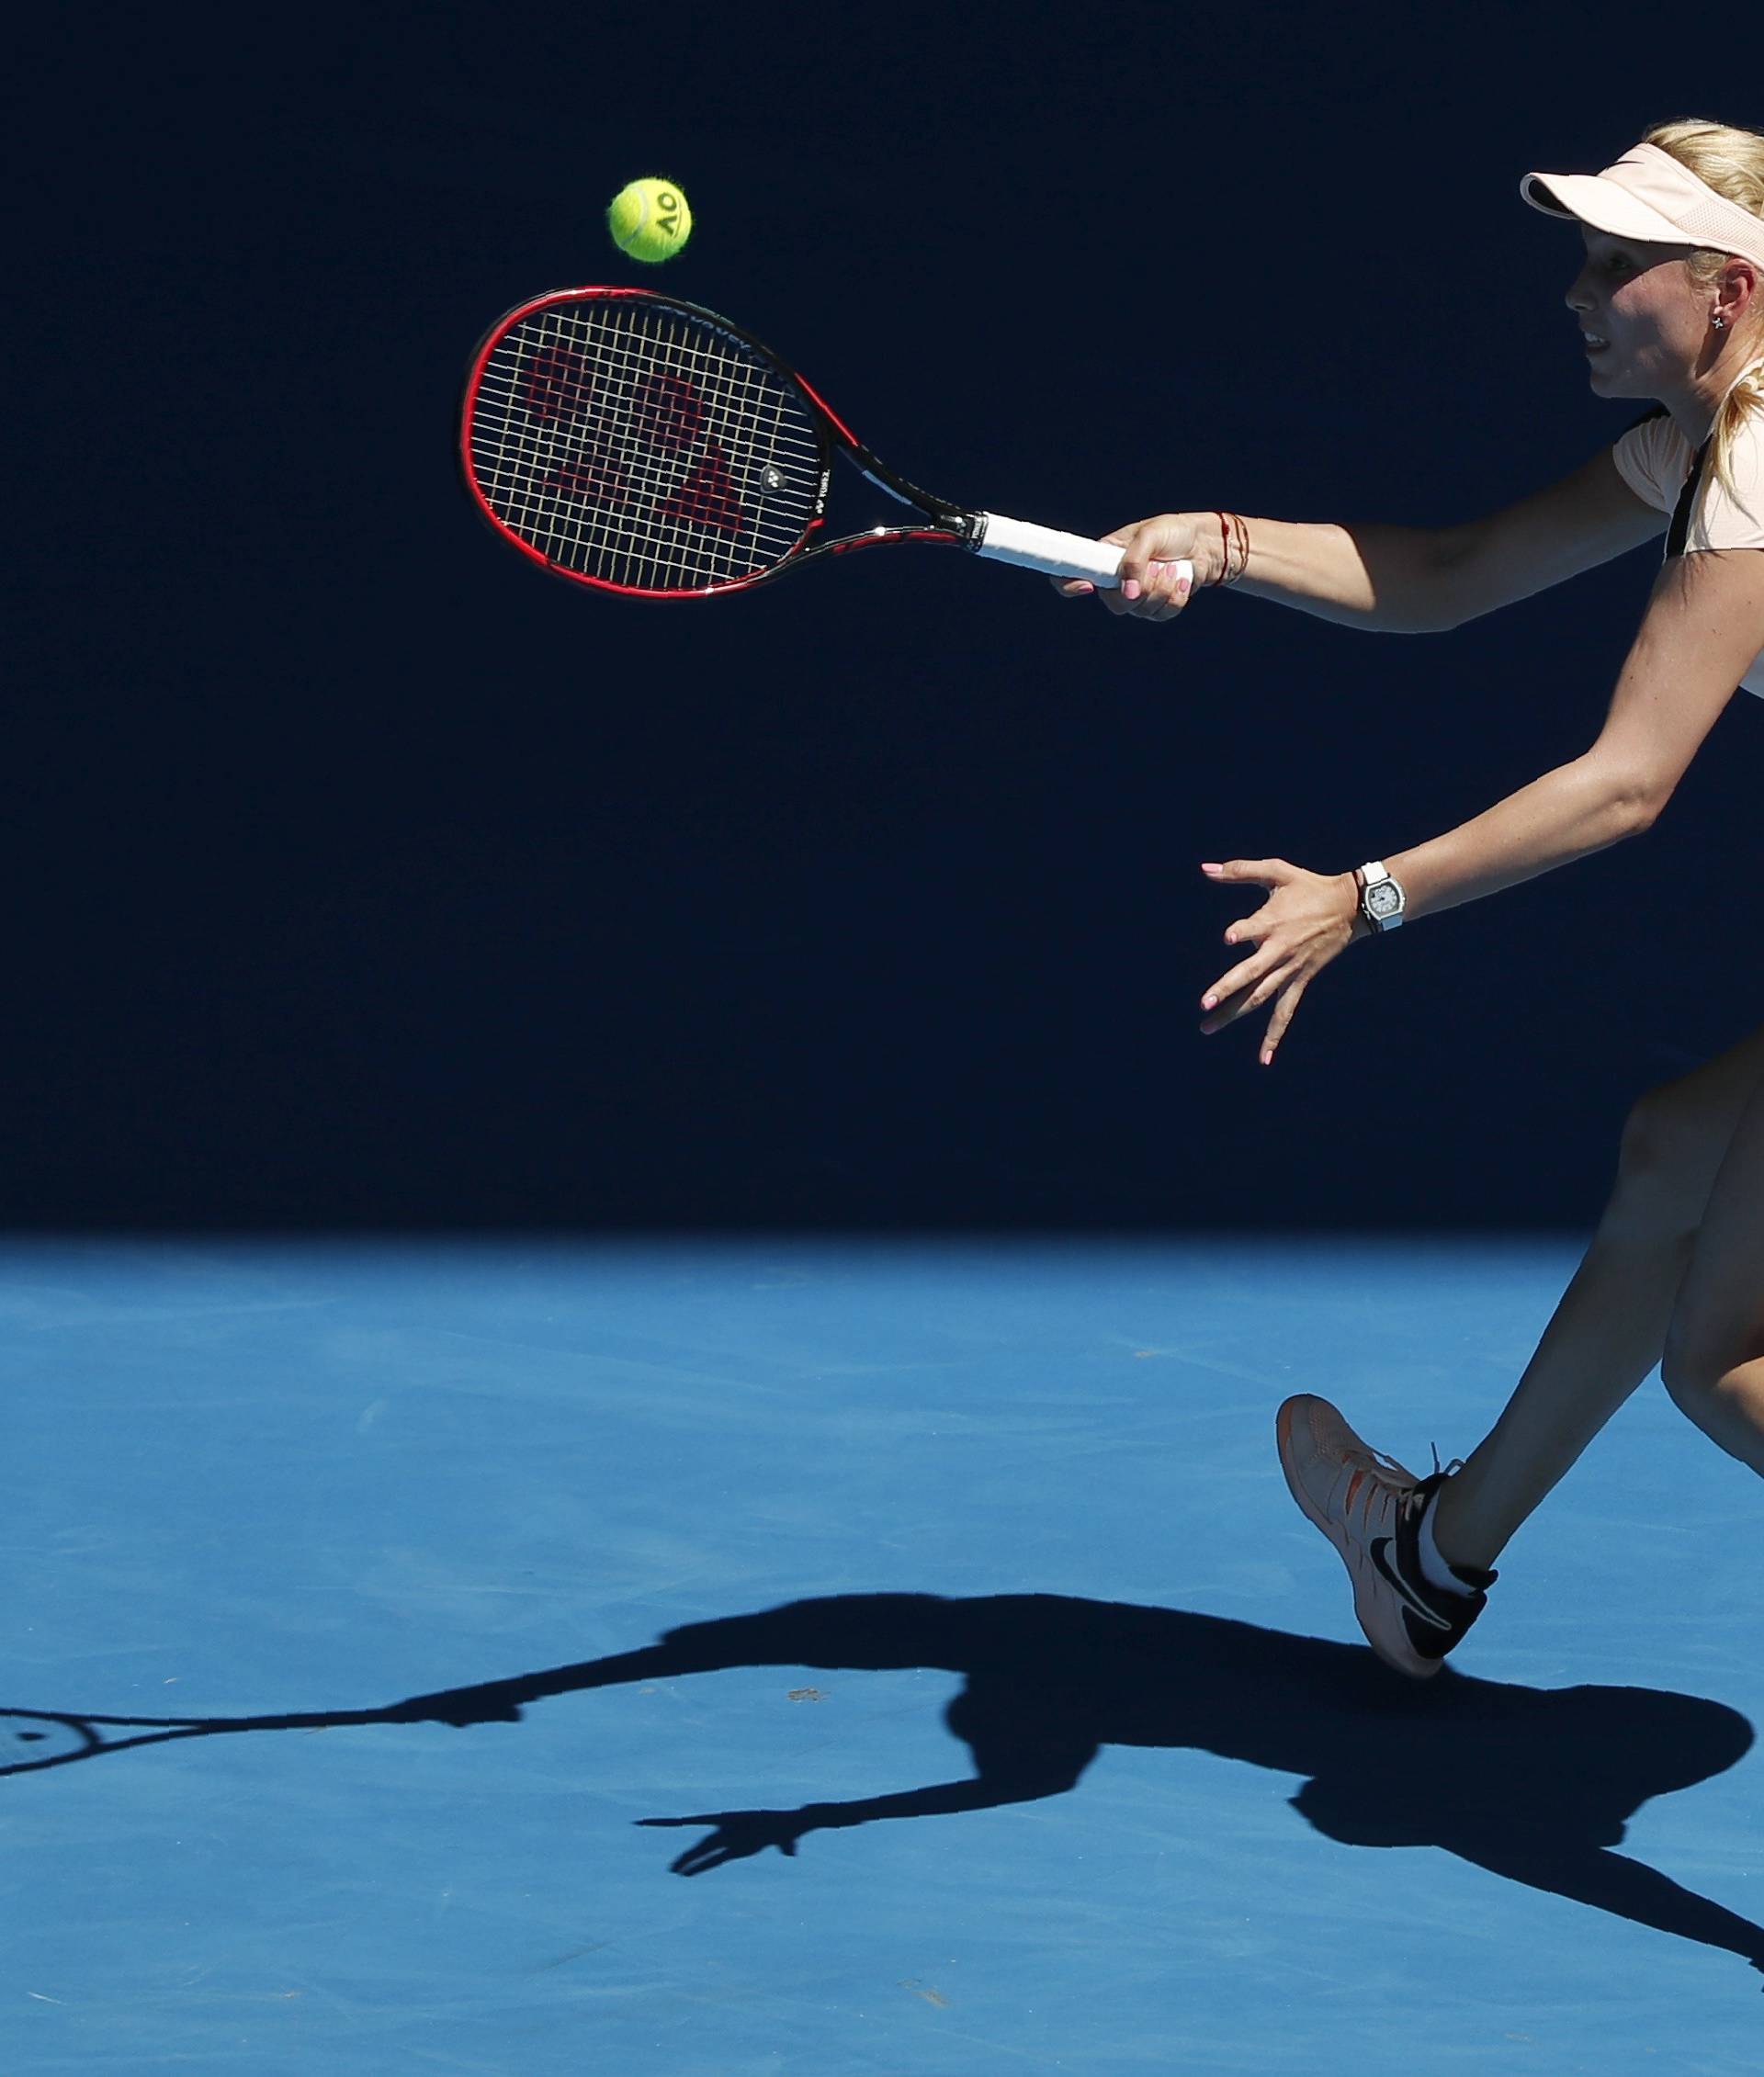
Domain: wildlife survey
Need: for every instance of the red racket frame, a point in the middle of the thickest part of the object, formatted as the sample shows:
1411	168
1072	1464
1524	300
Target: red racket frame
950	526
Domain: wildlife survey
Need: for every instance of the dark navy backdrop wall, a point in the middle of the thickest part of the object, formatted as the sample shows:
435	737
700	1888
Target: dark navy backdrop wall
359	873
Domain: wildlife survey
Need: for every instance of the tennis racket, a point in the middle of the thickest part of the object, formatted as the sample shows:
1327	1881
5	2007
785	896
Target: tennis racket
31	1739
638	444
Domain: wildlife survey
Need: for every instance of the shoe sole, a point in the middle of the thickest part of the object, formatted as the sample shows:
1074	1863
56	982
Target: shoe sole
1367	1586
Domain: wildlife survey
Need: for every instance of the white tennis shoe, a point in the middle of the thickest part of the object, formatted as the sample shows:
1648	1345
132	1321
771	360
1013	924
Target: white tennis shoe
1370	1507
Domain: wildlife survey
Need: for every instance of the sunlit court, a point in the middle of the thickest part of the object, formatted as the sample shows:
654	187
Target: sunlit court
785	1656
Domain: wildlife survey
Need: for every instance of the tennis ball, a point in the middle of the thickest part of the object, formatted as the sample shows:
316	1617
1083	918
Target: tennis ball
650	219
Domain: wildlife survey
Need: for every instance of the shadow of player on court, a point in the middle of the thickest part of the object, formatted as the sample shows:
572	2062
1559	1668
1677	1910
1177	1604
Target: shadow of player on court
1533	1784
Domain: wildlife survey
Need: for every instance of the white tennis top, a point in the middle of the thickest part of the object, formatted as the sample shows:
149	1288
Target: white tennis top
1655	460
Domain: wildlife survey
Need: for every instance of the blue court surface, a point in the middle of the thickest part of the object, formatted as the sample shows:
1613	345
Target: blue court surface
479	1625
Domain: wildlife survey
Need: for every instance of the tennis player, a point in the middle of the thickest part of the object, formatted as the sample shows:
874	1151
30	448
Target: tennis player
1669	301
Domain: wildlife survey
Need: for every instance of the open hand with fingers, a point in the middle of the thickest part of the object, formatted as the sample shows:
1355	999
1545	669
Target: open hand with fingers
739	1835
1306	920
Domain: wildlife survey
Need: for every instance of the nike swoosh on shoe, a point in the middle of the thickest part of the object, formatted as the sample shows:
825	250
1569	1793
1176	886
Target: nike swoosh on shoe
1400	1587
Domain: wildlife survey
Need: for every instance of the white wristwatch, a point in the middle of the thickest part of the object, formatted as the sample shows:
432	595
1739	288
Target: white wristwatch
1382	900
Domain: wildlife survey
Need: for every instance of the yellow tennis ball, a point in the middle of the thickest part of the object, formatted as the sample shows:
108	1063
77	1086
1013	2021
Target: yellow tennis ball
650	219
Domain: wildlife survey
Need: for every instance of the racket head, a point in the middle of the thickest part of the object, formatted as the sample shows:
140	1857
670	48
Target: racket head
32	1739
636	443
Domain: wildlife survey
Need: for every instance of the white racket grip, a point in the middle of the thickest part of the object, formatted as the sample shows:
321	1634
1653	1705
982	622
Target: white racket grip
1053	553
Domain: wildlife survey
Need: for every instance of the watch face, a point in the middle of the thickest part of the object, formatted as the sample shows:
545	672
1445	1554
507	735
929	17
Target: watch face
1382	898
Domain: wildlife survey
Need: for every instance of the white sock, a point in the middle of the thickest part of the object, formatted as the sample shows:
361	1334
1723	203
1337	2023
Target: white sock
1435	1569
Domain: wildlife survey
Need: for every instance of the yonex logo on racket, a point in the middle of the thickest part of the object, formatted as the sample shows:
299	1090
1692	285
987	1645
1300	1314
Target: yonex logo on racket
555	385
667	411
623	434
708	497
596	482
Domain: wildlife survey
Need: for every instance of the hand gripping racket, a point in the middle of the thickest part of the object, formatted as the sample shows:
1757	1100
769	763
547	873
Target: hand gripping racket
638	444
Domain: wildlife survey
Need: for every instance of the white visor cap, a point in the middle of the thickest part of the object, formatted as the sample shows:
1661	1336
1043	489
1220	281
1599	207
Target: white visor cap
1649	196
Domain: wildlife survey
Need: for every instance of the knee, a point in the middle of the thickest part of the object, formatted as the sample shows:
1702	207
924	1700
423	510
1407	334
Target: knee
1662	1172
1688	1378
1698	1373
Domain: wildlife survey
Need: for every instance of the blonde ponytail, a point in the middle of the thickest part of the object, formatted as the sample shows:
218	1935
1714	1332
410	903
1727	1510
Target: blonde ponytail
1744	401
1731	162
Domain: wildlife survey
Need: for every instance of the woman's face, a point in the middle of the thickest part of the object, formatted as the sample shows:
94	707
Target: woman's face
1643	322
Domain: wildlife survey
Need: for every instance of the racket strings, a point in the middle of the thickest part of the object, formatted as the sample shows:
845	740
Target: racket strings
635	444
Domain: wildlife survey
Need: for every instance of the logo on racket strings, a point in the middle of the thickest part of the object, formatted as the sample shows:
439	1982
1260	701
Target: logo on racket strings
651	436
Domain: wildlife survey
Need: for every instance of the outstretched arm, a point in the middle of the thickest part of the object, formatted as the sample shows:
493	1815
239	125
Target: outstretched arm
1006	1775
1703	628
1395	579
738	1835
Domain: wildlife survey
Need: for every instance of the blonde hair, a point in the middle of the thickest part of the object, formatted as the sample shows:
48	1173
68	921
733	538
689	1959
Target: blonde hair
1731	162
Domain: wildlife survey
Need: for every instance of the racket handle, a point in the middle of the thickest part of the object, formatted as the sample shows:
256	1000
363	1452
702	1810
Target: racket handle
1051	551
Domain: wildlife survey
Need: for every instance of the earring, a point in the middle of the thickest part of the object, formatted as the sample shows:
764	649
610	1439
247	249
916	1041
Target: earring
1719	322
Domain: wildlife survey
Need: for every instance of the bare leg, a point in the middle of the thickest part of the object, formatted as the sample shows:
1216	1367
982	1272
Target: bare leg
1714	1365
1613	1882
1610	1326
